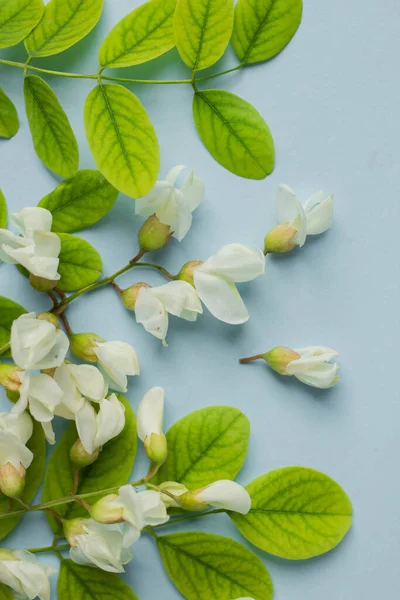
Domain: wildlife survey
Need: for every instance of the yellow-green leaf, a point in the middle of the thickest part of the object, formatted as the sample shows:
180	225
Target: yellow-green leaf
3	211
9	311
52	134
5	593
9	122
204	566
122	139
296	513
144	34
17	19
206	445
202	31
80	263
234	133
64	23
264	27
77	582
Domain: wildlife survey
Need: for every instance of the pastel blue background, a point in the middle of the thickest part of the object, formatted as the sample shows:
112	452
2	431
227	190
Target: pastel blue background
331	100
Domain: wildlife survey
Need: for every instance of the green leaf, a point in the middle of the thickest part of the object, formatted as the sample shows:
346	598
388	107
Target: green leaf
122	139
9	311
5	593
296	513
204	566
3	211
17	19
9	122
207	445
80	201
34	476
144	34
63	24
80	263
52	134
234	133
76	582
264	27
202	31
112	468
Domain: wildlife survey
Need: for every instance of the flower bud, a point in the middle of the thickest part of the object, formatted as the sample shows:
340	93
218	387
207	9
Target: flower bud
156	448
279	239
191	502
12	480
80	457
9	377
53	319
107	510
153	234
174	488
12	396
187	271
278	358
129	296
83	345
40	284
73	528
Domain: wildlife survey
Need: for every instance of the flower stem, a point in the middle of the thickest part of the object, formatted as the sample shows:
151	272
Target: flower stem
244	361
45	549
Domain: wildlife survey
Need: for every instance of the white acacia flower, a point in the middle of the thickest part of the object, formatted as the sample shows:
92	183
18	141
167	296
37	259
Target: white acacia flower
117	360
315	217
22	572
42	395
314	368
77	383
96	429
37	344
101	546
215	280
173	205
150	419
37	249
15	457
224	494
154	303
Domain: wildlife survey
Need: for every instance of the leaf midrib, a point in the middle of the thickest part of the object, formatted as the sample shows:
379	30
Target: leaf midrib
68	565
297	512
83	195
202	34
257	33
14	15
49	39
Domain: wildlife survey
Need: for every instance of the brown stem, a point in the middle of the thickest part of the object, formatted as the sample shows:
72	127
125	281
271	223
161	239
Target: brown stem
138	256
66	324
85	505
60	293
244	361
54	298
76	482
116	287
55	514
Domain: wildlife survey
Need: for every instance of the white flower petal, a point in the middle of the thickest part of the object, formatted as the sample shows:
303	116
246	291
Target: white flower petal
174	173
178	298
48	432
86	425
118	359
13	451
150	313
289	210
47	244
159	195
33	219
150	413
19	425
226	494
322	376
319	213
37	344
101	546
110	420
10	241
221	298
89	381
193	189
236	263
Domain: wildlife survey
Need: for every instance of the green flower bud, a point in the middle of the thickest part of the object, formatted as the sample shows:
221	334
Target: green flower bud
174	488
187	271
106	511
9	377
12	396
129	296
190	502
278	358
279	239
53	319
42	285
12	480
72	528
156	448
82	345
153	234
80	458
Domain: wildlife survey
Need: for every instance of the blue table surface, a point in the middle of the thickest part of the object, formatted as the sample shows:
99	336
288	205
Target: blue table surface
331	101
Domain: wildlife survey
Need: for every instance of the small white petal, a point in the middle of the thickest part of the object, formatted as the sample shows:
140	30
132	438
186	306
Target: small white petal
150	413
13	451
118	359
110	420
319	213
236	263
148	205
174	173
151	314
33	219
86	425
322	376
221	298
178	298
226	494
289	210
89	381
193	189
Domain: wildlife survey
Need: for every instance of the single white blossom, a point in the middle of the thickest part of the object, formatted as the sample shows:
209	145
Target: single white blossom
42	395
150	414
96	429
314	368
37	344
215	280
173	205
315	217
37	249
15	457
78	382
154	303
117	360
100	546
225	494
22	572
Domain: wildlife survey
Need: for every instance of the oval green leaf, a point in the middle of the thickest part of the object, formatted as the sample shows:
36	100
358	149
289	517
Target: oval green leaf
9	311
3	211
80	202
264	27
17	19
234	133
52	134
63	24
207	445
5	593
203	29
9	121
122	139
80	263
146	33
34	476
76	582
296	513
200	563
112	468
